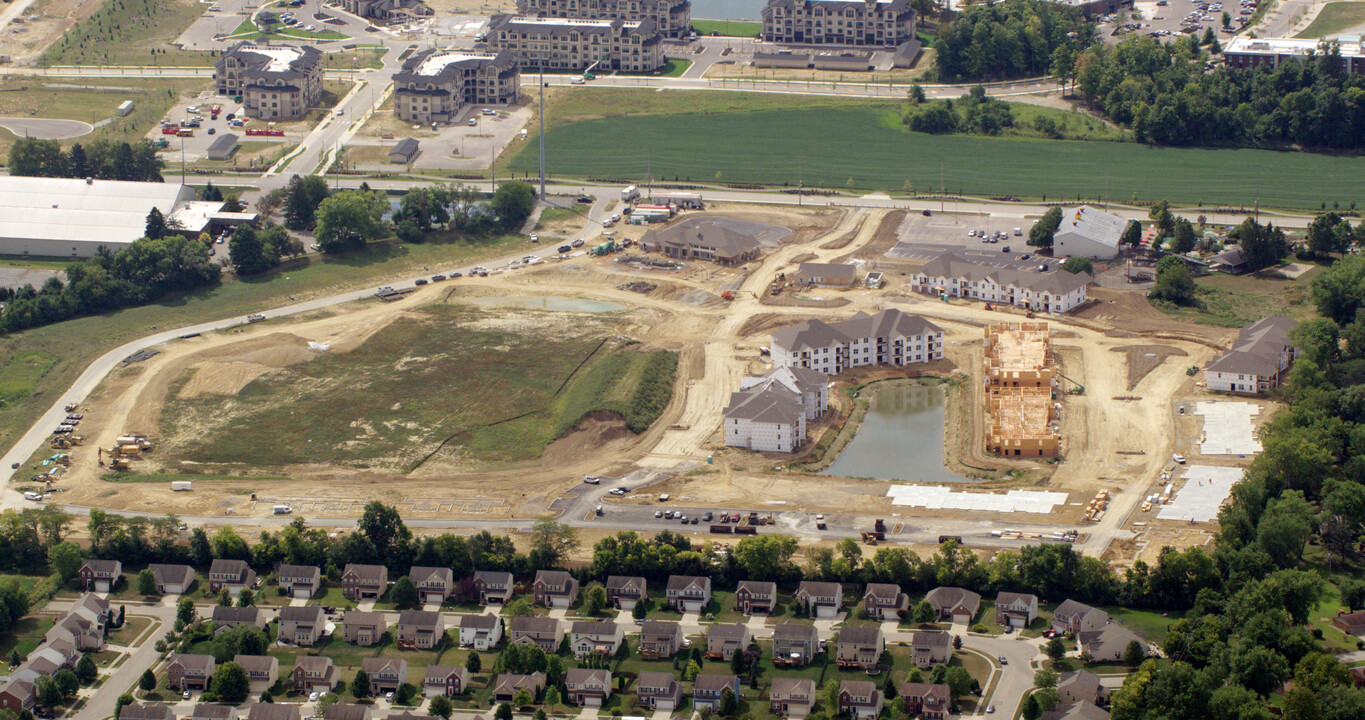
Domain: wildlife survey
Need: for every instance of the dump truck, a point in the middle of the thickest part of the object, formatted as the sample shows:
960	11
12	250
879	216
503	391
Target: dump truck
139	441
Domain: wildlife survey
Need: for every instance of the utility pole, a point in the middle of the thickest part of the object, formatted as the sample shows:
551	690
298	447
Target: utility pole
542	131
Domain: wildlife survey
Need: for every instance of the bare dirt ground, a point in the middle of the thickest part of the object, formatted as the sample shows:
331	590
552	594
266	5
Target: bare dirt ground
1143	359
43	23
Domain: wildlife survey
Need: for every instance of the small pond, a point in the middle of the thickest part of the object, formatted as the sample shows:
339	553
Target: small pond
901	438
550	303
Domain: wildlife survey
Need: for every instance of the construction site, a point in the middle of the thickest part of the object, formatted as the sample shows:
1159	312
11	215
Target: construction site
1020	383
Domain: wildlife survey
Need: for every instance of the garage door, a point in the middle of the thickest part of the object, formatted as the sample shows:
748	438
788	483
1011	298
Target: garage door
663	705
304	593
592	702
175	589
824	611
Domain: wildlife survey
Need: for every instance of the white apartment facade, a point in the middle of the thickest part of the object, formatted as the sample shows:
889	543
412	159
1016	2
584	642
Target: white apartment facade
890	337
765	418
564	44
1260	355
434	86
674	17
1048	290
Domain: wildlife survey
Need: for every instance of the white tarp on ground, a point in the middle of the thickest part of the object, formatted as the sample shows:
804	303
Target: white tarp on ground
939	497
1205	490
1228	428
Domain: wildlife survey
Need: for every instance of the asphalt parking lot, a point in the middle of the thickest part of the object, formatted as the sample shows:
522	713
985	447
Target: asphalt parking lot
950	230
196	146
1170	18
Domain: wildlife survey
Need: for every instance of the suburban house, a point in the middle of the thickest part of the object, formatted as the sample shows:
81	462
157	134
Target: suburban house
554	588
273	711
658	690
809	387
859	699
147	711
820	599
100	575
420	629
1108	644
1231	261
302	625
262	670
723	640
795	644
704	238
224	617
1089	233
506	685
623	591
17	695
660	639
930	648
827	274
1076	711
1074	618
83	626
706	691
1016	609
792	697
189	672
755	597
299	581
587	688
235	575
1025	284
1259	355
363	628
172	579
594	636
926	700
346	711
494	586
1350	623
364	582
386	674
213	711
765	418
954	604
859	646
448	680
890	337
434	585
1081	685
314	673
885	601
688	593
543	631
481	632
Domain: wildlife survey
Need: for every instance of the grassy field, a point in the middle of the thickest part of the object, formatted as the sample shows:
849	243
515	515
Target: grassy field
354	59
21	372
675	67
34	263
730	142
732	28
1235	300
1335	17
125	32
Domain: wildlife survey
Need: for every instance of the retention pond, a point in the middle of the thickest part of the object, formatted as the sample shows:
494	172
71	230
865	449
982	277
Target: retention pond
901	438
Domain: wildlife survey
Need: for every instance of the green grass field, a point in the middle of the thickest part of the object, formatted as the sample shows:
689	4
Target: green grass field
1335	17
355	59
34	262
731	28
675	68
125	32
852	146
1235	300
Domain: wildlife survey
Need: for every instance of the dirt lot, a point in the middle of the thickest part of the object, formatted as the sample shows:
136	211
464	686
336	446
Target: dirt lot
43	22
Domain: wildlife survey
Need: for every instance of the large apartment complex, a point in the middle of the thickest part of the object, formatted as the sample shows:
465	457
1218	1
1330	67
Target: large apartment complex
1020	375
434	86
673	17
770	411
388	11
564	44
275	82
839	22
890	337
1038	285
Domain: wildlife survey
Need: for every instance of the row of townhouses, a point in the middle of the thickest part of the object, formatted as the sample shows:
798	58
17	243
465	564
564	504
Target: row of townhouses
1261	353
1038	286
79	631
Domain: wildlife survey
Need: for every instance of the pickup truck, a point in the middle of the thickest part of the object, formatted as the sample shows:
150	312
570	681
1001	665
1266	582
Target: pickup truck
255	318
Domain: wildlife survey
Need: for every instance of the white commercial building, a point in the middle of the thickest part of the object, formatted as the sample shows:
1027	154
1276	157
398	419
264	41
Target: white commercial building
1036	286
65	217
1088	233
1246	52
890	337
1253	365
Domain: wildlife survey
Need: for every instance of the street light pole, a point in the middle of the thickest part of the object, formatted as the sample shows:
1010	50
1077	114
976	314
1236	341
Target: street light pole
542	131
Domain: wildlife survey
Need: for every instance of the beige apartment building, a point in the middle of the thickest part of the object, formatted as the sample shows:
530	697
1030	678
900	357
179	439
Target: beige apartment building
275	82
563	44
435	86
674	17
839	22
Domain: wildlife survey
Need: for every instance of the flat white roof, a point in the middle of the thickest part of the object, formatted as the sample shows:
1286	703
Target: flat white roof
193	216
280	57
105	211
1349	44
438	61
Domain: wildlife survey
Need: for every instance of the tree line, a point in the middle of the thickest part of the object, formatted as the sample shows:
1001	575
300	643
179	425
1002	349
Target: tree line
1011	39
101	159
976	113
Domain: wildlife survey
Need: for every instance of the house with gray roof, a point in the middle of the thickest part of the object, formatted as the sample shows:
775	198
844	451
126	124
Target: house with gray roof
809	386
147	711
586	687
723	640
755	597
1077	711
437	85
930	648
232	575
364	582
494	586
1108	644
223	147
481	632
302	626
506	685
1036	284
391	12
1081	685
100	575
859	646
359	627
276	82
658	690
792	697
820	599
299	581
704	238
262	670
1089	233
954	604
795	644
564	44
890	337
224	617
1016	609
420	629
1074	618
708	689
1259	356
172	579
674	17
765	418
860	699
624	591
876	23
404	151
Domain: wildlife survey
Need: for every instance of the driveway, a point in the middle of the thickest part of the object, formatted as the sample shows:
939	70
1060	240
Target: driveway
101	704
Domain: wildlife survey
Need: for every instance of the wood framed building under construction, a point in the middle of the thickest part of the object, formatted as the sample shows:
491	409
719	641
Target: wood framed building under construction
1020	377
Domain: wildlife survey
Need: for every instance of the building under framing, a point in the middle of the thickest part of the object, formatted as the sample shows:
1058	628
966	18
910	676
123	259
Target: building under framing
1020	376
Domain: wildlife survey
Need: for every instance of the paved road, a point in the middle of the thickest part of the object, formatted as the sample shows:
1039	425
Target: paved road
45	128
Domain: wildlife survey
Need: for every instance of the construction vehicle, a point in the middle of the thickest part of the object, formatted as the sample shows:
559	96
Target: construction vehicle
989	306
136	439
121	464
775	289
727	295
1191	370
1029	314
722	529
605	248
1078	390
879	526
744	529
71	407
869	538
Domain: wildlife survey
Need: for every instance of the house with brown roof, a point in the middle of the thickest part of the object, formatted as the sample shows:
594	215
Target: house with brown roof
1074	618
954	604
723	640
363	628
302	626
792	697
885	601
1107	645
213	711
704	238
420	629
299	581
707	690
494	586
386	674
364	582
507	684
839	275
262	670
1081	685
1016	609
930	701
859	699
859	646
820	599
273	711
481	632
755	597
542	631
587	688
314	673
189	672
688	593
235	575
660	639
224	617
930	648
594	636
1259	355
1076	711
435	585
448	680
172	579
100	575
554	589
795	644
17	695
147	711
345	711
1350	623
658	691
624	591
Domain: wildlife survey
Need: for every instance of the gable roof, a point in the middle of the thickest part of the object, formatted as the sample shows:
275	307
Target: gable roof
882	591
419	618
172	574
625	582
952	264
192	661
388	666
509	683
102	567
758	588
273	711
1080	684
819	589
224	614
795	632
714	683
1091	224
419	575
301	614
256	663
707	233
308	572
727	631
931	639
368	573
535	624
486	621
679	583
345	711
765	404
553	578
954	598
860	634
1082	710
1073	609
494	577
1257	349
785	687
584	676
1009	598
363	618
832	271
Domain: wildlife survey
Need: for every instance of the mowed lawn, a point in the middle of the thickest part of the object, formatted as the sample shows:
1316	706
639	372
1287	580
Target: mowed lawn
862	147
1335	17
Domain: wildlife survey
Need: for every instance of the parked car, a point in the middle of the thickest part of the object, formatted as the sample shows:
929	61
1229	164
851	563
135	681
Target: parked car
564	249
213	131
577	243
420	281
437	278
535	237
658	513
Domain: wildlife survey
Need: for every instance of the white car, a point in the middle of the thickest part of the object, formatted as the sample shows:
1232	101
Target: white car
1178	458
535	238
312	697
577	81
388	696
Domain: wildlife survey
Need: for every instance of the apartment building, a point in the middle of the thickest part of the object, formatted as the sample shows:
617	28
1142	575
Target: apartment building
809	386
1041	286
1261	353
1246	52
765	418
839	22
563	44
276	82
673	17
388	11
435	86
890	337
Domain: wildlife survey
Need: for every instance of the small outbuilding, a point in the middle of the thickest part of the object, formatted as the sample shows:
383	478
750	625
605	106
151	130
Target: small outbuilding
403	152
224	147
